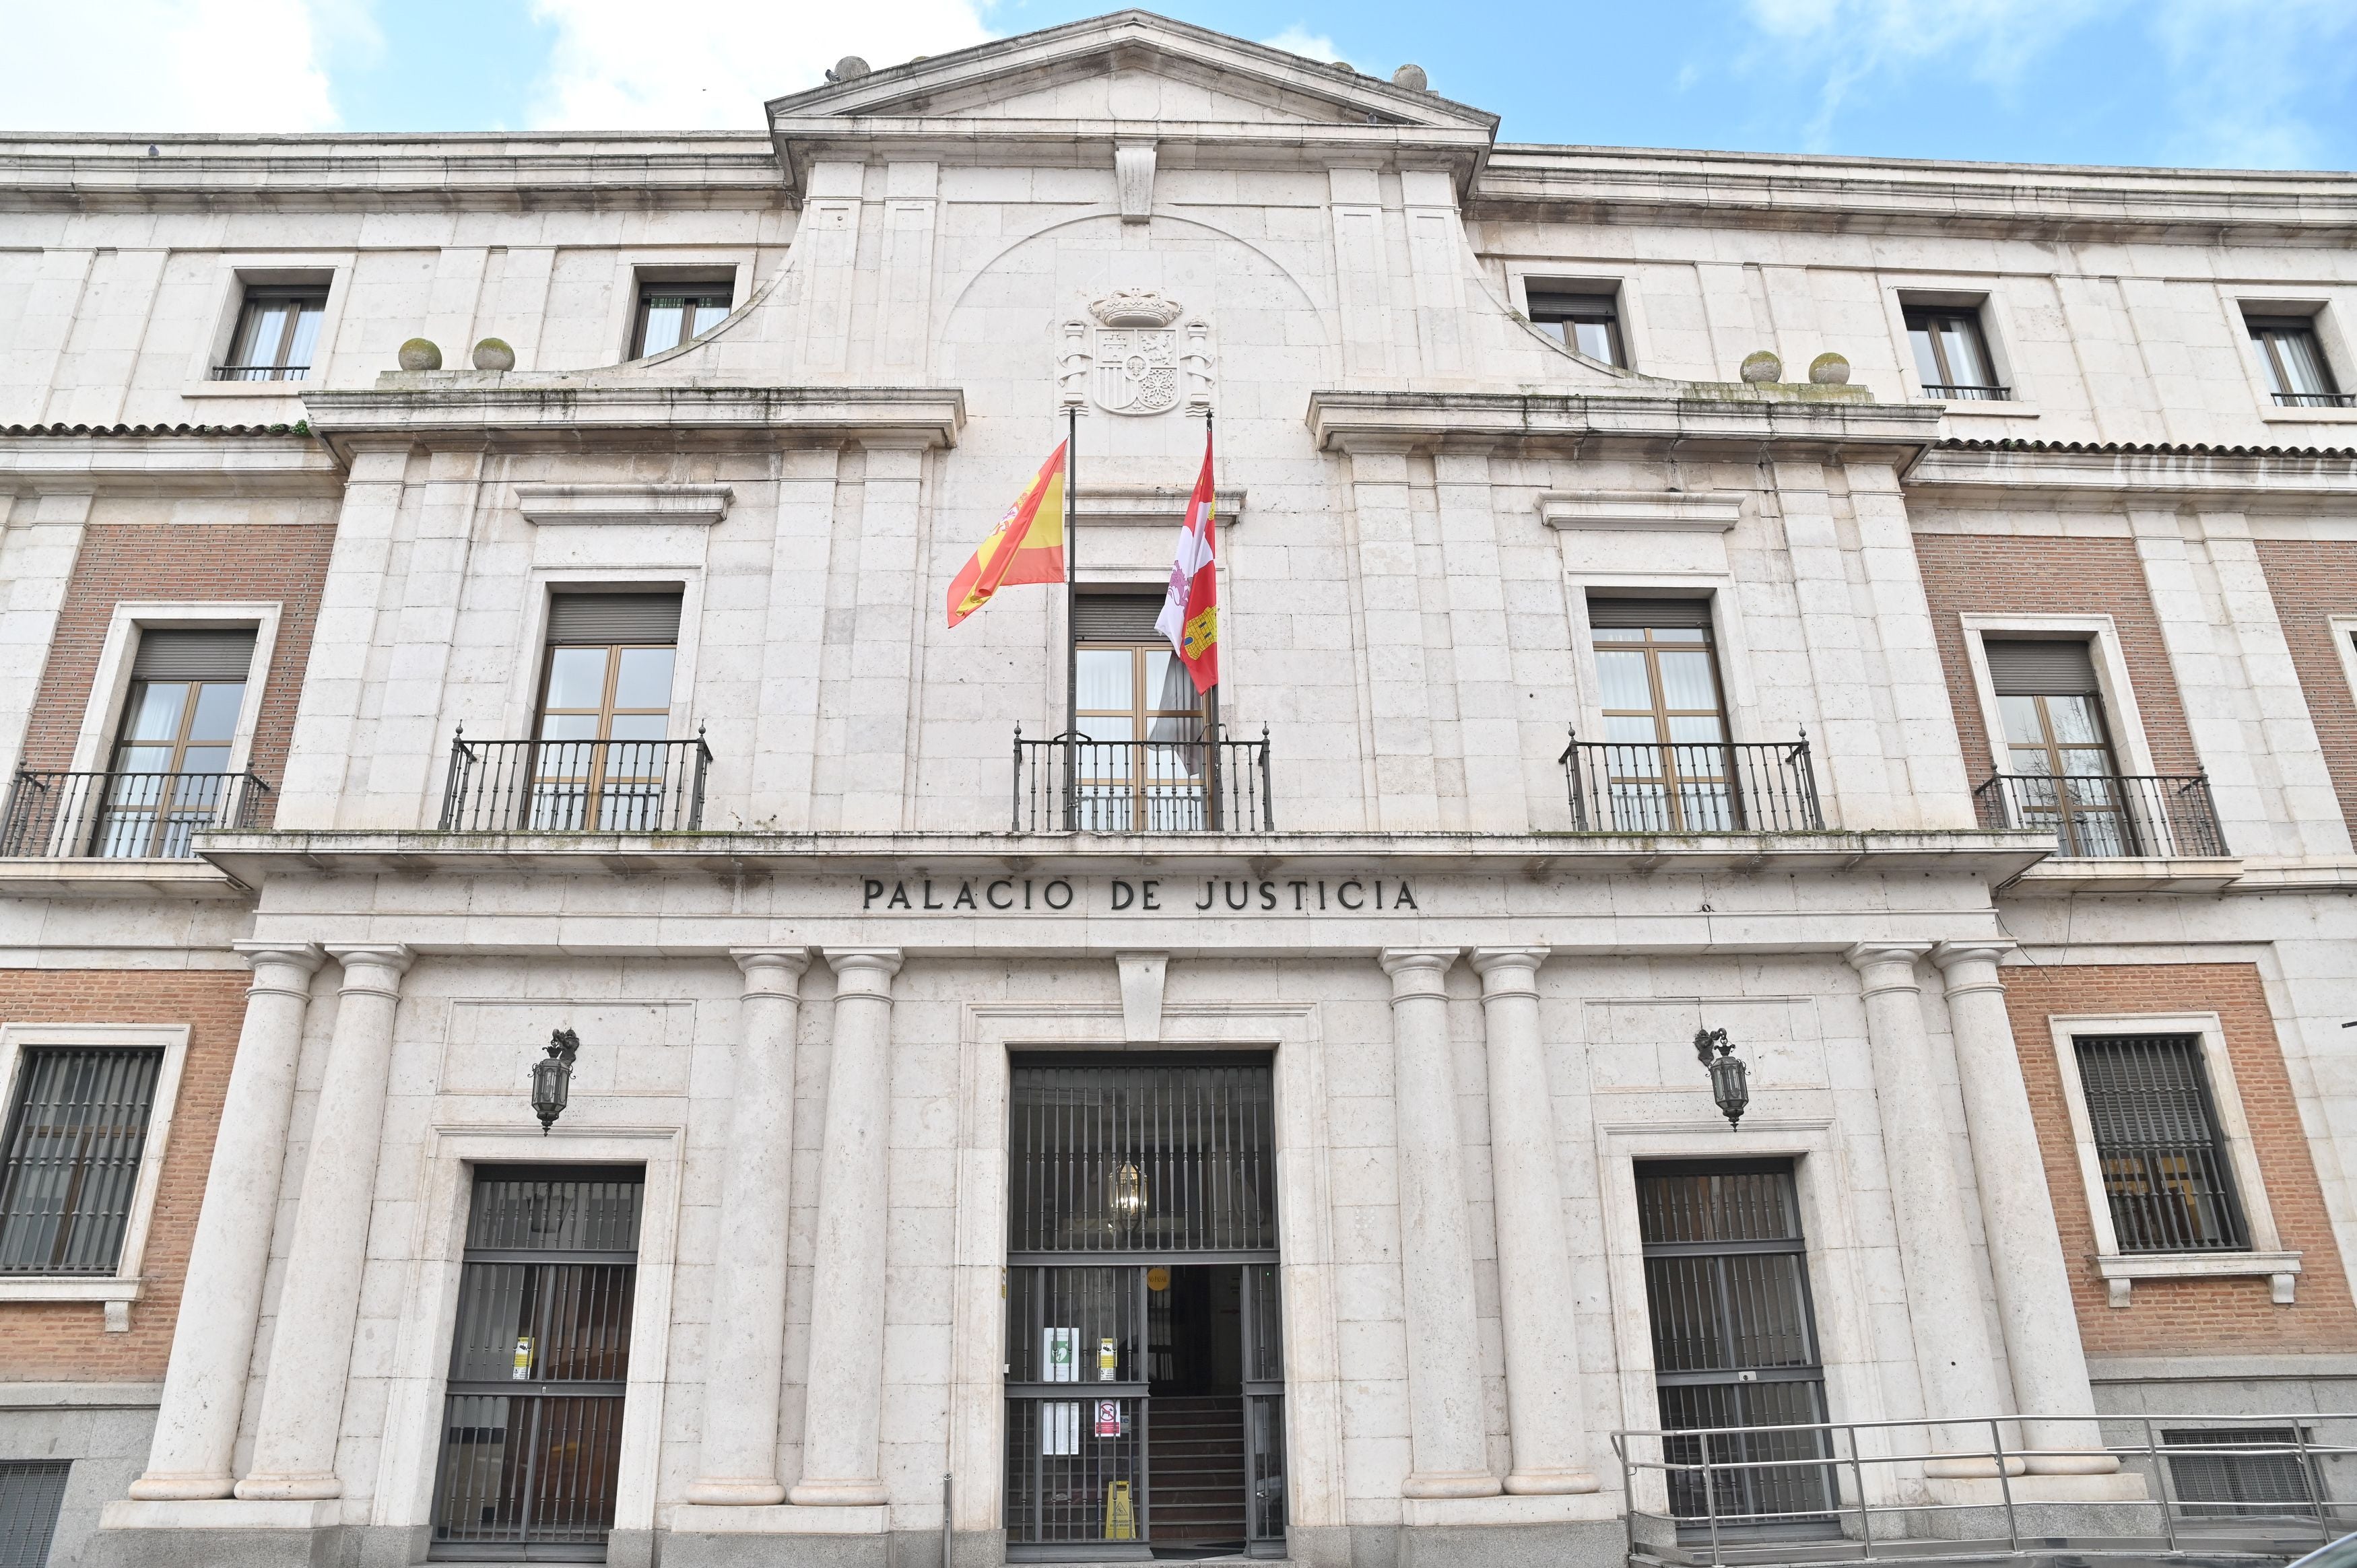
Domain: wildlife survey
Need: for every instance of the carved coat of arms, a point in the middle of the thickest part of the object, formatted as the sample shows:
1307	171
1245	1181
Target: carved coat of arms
1133	359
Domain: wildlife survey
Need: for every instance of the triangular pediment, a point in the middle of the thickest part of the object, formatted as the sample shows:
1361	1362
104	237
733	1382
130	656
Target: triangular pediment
1130	67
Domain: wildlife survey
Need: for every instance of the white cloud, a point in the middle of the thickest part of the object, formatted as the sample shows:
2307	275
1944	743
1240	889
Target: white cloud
1298	39
609	70
174	65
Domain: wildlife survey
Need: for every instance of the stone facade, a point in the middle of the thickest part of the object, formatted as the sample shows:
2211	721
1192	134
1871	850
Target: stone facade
797	1015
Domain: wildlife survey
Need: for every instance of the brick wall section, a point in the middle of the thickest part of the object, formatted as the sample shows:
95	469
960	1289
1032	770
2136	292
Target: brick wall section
2313	579
1992	575
2187	1316
194	562
67	1341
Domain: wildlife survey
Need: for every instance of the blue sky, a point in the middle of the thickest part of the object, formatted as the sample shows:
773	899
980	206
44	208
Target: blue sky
2257	84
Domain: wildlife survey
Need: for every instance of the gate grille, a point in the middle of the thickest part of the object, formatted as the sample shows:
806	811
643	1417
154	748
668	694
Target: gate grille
1165	1157
1735	1342
72	1160
539	1364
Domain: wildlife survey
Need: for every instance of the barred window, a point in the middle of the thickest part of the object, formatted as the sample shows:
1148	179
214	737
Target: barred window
31	1491
2164	1159
2273	1477
69	1166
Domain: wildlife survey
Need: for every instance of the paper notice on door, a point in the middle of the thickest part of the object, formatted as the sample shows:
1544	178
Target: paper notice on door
523	1360
1108	1361
1060	1427
1060	1356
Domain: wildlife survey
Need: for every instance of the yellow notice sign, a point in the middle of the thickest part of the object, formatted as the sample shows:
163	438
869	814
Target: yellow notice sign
1158	1280
1120	1520
523	1360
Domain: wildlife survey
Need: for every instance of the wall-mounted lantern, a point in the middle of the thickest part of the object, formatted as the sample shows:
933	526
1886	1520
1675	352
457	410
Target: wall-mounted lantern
1728	1082
1128	1196
552	1078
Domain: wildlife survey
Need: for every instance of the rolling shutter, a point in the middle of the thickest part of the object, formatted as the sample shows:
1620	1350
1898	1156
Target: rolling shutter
2041	669
602	619
1622	613
193	656
1116	617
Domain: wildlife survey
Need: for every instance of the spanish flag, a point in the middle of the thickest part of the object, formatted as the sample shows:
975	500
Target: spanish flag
1028	546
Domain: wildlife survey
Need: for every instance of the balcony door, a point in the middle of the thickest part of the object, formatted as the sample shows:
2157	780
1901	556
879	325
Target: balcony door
605	713
170	766
1141	762
2064	776
1666	764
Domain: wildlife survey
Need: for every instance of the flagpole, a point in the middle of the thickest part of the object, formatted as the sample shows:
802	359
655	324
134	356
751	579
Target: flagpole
1071	607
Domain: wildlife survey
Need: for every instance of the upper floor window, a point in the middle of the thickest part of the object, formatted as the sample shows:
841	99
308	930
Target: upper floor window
1142	760
277	332
671	313
602	762
1586	321
170	777
2293	359
2065	776
70	1164
1664	716
2165	1167
1951	354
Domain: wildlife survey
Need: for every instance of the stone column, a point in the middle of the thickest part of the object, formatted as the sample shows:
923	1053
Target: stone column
2034	1309
1448	1444
1534	1287
844	1391
745	1346
320	1301
220	1302
1944	1289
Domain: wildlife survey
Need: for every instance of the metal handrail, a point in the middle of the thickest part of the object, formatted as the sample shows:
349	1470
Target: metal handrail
1899	1507
1968	391
2108	816
1076	783
1704	787
2316	399
55	814
575	786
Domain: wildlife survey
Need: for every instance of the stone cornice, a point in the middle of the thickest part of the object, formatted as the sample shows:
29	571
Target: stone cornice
166	464
630	171
1628	185
471	407
1340	421
2247	477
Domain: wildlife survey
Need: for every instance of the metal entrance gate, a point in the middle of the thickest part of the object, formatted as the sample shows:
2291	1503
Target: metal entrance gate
1120	1173
538	1363
1735	1341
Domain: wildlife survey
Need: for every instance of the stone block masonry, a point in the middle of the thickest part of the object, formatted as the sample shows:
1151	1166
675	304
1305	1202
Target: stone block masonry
2187	1316
66	1341
2312	580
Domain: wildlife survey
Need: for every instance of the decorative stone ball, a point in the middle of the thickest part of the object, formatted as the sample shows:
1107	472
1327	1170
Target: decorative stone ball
492	354
420	354
1829	371
1342	66
850	67
1412	77
1762	366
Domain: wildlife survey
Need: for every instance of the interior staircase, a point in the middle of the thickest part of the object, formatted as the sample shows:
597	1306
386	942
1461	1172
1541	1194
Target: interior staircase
1196	1457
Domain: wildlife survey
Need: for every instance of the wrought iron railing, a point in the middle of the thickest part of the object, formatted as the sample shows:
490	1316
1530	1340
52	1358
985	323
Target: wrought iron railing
1070	783
1968	391
2108	816
2207	1488
2316	399
1718	787
122	816
260	372
575	786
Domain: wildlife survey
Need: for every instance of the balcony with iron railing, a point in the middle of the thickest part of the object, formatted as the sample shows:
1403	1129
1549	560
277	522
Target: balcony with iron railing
1968	391
575	786
260	372
2108	816
64	815
1072	783
1721	786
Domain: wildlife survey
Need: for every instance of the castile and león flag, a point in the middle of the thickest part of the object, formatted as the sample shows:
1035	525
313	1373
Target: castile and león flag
1190	611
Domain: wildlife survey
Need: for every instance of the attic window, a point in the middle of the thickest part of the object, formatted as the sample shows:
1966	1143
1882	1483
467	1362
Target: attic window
671	311
1585	319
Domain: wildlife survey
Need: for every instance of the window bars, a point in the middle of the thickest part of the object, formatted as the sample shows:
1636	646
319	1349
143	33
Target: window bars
69	1167
2166	1169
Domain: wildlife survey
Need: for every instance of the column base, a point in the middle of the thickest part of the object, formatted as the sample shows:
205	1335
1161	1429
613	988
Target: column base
152	1487
2096	1463
858	1494
1449	1484
220	1532
222	1513
1549	1483
1425	1513
1971	1467
697	1519
737	1494
261	1489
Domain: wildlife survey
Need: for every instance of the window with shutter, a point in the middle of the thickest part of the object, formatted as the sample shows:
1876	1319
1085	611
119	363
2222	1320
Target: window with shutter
2058	744
2165	1167
31	1493
2272	1478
